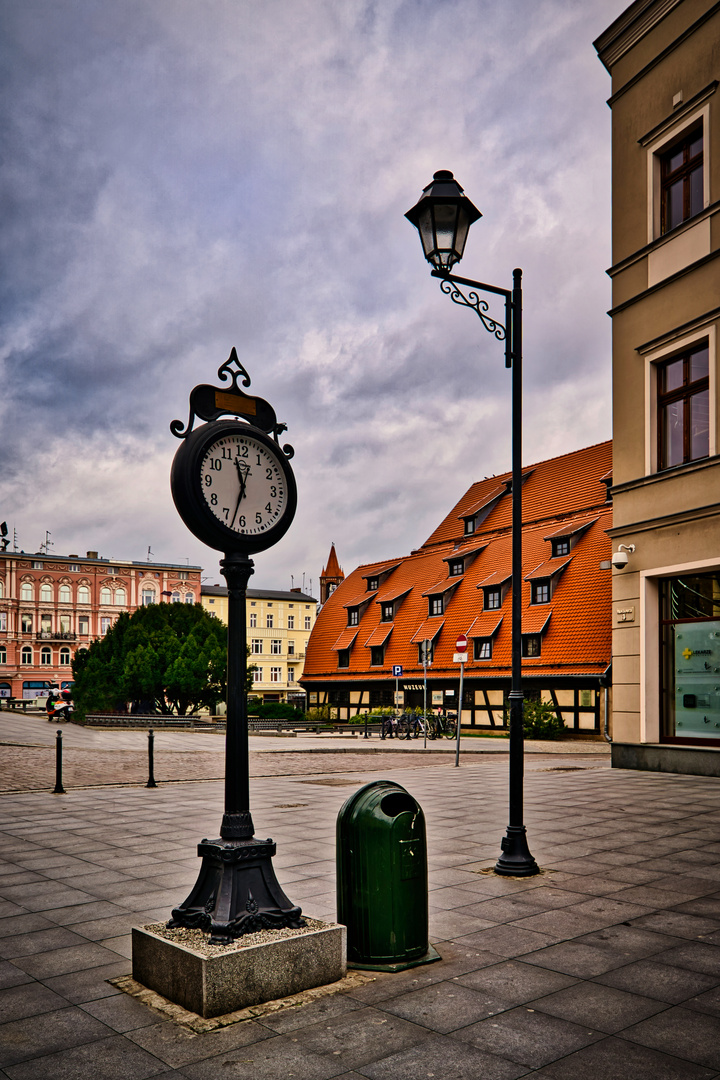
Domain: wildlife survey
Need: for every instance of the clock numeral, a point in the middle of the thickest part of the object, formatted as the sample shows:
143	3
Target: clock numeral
268	474
226	512
258	518
242	451
216	464
227	453
213	499
259	460
208	480
241	521
268	507
273	492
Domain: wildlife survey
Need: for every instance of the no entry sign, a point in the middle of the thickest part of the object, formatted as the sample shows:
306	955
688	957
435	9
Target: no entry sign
461	643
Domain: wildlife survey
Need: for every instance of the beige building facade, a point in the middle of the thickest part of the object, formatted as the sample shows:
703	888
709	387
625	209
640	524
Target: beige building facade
664	60
278	628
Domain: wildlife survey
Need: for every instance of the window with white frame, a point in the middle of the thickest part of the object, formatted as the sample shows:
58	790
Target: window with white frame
2	587
275	674
253	619
3	621
189	598
64	621
26	591
83	625
256	646
120	597
106	595
26	655
26	623
269	622
483	649
46	594
291	648
65	594
175	597
291	622
276	646
83	594
64	657
3	655
307	622
46	656
257	674
105	624
148	597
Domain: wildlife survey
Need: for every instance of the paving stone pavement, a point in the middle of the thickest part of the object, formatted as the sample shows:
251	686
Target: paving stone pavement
606	965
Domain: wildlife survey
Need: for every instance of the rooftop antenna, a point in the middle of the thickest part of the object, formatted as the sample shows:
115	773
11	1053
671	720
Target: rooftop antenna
149	554
15	547
303	584
47	543
292	581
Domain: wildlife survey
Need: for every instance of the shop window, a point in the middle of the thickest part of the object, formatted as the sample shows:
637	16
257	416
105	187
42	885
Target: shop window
483	649
683	408
681	180
690	657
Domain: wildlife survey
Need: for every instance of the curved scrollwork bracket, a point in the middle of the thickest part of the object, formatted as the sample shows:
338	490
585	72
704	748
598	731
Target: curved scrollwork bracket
210	402
479	306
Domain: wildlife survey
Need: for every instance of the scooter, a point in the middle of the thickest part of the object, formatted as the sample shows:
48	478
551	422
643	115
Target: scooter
60	708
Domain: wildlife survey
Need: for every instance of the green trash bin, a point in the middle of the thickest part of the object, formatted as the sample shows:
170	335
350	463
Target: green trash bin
382	893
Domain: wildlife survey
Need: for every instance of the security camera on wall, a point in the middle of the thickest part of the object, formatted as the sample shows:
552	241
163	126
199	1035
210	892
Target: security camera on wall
620	557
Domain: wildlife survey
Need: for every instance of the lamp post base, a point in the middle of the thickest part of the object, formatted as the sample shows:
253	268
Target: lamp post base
516	860
236	892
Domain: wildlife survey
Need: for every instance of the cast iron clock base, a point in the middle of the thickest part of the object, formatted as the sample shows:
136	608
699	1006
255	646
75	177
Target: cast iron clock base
236	892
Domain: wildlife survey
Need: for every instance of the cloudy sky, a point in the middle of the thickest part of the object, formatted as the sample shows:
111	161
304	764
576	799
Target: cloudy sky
184	176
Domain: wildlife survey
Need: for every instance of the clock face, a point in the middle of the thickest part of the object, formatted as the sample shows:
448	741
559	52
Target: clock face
233	487
243	484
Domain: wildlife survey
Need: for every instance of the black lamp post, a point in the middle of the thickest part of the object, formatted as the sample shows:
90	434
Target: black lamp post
443	217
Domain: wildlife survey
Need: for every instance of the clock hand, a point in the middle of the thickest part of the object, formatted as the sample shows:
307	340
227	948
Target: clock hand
243	471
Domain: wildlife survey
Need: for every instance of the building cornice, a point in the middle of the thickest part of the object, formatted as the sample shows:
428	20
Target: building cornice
669	280
629	28
660	241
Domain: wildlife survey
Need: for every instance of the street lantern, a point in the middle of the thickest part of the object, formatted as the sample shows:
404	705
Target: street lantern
443	216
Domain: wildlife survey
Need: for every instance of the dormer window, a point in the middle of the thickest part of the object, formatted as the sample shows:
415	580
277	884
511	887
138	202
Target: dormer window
541	591
456	567
377	655
436	605
343	658
353	616
561	546
492	597
373	584
531	644
469	526
387	612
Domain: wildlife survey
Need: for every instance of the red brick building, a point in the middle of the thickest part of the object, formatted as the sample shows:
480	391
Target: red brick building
51	606
458	581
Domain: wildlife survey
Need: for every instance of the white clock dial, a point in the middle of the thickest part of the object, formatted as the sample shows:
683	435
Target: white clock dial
243	484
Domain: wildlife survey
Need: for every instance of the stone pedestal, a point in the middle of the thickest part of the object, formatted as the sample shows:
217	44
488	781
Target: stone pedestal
233	978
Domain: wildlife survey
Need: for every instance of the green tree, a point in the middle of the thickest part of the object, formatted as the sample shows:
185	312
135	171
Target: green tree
173	655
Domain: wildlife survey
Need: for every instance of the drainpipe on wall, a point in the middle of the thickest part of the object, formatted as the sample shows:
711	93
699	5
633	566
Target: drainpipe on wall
606	683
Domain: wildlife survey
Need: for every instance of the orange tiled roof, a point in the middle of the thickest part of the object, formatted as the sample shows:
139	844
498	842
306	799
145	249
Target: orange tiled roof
379	635
549	568
557	494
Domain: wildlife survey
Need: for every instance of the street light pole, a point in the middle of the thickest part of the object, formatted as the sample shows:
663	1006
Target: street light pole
443	216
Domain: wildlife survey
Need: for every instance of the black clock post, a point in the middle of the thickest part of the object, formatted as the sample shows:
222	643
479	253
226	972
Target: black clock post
236	891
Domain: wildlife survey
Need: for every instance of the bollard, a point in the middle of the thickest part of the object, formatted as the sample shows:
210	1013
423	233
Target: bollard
151	759
58	789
